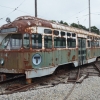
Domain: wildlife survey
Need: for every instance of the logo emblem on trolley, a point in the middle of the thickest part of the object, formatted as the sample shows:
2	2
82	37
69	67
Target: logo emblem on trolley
36	59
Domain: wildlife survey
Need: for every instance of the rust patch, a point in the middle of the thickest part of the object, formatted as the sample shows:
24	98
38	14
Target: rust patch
53	64
28	30
69	53
26	63
24	22
28	67
73	58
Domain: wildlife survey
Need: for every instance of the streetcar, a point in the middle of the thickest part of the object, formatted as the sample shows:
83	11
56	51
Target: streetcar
37	47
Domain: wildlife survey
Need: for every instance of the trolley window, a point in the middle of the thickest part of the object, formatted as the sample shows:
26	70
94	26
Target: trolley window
89	43
5	42
48	41
59	42
63	42
97	43
12	41
71	43
26	41
68	34
62	33
47	31
73	35
8	30
56	32
36	41
16	41
92	43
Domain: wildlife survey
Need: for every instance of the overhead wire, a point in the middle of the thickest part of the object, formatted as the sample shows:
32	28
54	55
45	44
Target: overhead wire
14	9
78	13
6	7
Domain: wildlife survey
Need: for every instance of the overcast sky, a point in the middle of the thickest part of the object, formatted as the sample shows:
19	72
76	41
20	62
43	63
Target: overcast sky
67	10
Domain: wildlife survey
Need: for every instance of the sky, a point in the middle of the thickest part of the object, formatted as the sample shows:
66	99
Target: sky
70	11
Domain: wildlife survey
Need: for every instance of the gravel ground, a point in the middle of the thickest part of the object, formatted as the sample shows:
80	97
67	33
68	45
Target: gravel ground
88	90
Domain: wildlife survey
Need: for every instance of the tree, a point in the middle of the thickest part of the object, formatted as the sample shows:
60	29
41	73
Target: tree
52	20
64	23
78	26
94	29
61	22
74	25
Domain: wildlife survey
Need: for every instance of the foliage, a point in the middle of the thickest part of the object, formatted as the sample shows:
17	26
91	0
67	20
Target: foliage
93	28
52	20
78	26
61	22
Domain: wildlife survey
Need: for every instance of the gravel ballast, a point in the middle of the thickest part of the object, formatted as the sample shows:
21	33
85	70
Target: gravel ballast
89	89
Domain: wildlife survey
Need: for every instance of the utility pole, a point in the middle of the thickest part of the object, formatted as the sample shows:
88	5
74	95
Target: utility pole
35	8
78	22
89	18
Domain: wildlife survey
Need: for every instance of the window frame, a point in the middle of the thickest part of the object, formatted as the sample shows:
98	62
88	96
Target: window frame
35	39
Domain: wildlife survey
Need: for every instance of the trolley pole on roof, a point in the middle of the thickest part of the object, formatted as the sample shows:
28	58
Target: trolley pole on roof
35	8
89	18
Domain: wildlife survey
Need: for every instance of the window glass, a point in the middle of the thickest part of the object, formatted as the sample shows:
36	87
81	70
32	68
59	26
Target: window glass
16	41
62	33
59	42
89	43
92	43
83	43
97	43
71	43
90	37
73	35
68	34
5	42
56	32
8	30
63	42
12	41
26	41
47	31
36	41
48	41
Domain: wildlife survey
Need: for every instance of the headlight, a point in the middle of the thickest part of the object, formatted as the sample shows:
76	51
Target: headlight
1	61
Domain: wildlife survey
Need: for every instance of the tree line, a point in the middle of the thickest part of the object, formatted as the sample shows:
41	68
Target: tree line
93	28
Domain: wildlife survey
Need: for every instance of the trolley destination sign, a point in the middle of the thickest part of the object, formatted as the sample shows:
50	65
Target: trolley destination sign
8	30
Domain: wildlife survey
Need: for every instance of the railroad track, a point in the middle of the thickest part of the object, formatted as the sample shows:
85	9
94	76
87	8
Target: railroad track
60	77
78	74
12	78
89	71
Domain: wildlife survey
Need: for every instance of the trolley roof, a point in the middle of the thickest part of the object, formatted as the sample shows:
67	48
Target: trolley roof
25	22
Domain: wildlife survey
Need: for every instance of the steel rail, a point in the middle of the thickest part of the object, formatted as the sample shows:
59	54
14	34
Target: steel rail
73	85
12	78
18	89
